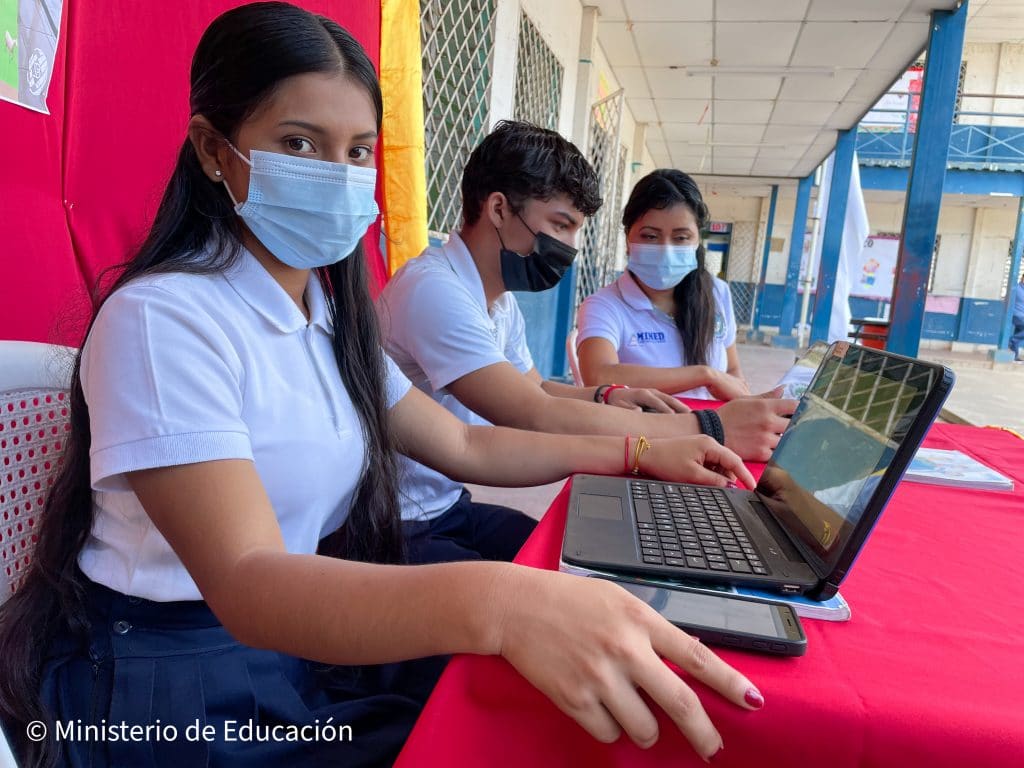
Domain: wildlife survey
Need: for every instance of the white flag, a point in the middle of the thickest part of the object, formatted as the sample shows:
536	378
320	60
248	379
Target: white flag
855	232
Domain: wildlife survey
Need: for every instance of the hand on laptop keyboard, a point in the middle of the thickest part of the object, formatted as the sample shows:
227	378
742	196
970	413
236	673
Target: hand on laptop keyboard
589	646
753	424
697	459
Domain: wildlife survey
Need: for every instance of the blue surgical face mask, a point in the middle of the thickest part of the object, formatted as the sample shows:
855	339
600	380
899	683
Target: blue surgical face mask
661	266
308	213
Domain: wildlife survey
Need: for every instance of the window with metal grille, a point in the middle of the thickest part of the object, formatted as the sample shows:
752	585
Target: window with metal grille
935	261
457	38
959	86
960	90
615	211
600	236
1007	285
538	79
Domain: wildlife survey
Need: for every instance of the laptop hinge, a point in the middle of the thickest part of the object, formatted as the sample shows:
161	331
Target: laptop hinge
811	558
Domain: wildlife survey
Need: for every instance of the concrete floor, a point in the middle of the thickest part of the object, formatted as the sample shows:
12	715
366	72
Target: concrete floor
982	395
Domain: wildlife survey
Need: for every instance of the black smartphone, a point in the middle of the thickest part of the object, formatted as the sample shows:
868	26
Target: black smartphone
725	619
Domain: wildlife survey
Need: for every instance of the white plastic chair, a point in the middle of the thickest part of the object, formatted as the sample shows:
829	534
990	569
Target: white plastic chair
34	382
6	755
573	358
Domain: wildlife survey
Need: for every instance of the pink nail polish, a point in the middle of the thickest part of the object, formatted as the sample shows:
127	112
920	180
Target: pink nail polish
754	698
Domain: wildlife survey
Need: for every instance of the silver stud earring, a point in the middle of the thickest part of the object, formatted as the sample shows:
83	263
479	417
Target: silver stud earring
217	173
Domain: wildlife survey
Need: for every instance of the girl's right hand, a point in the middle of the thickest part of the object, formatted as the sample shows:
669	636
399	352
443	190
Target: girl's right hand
694	459
590	646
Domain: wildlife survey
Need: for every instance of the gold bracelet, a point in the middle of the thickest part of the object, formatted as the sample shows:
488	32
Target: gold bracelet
642	444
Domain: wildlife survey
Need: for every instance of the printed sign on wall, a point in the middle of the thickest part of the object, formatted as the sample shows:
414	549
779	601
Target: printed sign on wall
899	107
873	272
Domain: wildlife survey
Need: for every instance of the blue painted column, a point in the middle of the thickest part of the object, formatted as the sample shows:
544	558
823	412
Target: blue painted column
549	317
755	333
1002	352
565	321
835	220
798	233
927	175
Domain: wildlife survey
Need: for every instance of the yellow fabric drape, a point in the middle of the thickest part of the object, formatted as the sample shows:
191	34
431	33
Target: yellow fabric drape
405	183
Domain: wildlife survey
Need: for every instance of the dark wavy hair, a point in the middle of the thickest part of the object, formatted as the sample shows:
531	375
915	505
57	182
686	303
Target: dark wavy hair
524	161
694	295
242	58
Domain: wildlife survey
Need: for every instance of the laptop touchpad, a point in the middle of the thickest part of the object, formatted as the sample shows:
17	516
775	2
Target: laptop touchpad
600	507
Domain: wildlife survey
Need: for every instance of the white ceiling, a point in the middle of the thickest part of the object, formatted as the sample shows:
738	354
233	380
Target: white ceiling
768	121
995	21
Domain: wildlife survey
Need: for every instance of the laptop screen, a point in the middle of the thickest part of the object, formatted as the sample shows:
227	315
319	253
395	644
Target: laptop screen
850	423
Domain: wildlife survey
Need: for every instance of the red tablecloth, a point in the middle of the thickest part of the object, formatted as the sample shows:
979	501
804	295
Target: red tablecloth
928	672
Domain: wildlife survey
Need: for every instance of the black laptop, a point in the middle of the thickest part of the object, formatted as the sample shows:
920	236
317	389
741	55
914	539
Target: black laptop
855	431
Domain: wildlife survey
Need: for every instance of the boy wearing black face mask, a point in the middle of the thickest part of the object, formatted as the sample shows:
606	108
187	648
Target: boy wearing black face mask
453	327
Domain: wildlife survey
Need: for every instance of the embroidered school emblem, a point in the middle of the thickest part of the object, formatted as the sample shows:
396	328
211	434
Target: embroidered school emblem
719	325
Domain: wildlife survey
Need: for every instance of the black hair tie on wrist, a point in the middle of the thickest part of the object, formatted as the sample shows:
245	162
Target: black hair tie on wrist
711	425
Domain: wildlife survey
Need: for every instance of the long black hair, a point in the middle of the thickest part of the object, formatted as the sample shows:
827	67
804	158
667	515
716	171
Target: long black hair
243	56
694	295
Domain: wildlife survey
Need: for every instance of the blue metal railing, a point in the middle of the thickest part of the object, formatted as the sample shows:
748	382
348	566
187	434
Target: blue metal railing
971	146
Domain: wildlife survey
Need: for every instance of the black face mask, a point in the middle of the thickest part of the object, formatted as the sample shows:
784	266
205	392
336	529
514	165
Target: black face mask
542	269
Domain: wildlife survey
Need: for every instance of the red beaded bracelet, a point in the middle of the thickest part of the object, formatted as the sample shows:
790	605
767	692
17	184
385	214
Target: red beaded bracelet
611	388
625	460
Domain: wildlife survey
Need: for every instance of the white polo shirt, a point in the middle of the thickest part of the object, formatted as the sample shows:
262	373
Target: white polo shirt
644	335
180	369
438	328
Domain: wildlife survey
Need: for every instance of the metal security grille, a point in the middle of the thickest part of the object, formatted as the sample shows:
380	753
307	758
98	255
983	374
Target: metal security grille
1007	286
457	37
744	302
599	243
935	261
615	211
742	248
538	79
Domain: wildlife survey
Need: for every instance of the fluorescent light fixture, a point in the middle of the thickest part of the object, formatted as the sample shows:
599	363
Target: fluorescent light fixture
713	144
726	71
1001	194
747	144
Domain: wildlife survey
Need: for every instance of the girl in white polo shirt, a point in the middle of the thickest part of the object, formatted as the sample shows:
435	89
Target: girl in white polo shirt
217	579
666	323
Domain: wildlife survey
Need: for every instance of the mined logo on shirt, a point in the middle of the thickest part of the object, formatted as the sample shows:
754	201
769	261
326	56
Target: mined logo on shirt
640	338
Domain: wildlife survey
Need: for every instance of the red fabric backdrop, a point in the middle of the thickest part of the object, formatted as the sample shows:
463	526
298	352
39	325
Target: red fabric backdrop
79	187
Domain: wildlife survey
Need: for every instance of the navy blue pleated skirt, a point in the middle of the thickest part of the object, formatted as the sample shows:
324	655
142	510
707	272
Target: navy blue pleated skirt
210	701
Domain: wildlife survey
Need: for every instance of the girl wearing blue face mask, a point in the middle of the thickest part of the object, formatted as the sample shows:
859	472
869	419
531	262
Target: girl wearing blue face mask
218	578
666	323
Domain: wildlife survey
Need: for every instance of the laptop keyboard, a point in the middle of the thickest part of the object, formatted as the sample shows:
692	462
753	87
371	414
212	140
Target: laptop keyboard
692	527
